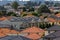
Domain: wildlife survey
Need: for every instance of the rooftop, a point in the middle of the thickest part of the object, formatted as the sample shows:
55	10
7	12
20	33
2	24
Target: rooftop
53	35
14	38
33	33
33	30
6	31
51	19
58	15
34	36
57	38
54	28
3	18
4	25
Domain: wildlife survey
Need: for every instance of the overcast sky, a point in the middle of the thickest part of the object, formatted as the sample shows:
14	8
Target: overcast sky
53	0
14	0
45	0
29	0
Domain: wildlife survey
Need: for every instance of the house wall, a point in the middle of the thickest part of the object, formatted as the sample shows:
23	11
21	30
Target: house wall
48	32
55	23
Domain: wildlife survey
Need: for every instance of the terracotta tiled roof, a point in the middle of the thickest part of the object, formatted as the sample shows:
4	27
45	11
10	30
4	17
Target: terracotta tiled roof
34	36
4	18
14	32
6	31
58	21
51	19
32	29
33	33
2	35
58	15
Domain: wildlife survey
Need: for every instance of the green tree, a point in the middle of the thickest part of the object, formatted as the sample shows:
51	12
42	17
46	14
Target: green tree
43	9
35	14
2	11
42	26
57	4
1	14
11	14
31	9
24	9
15	5
24	15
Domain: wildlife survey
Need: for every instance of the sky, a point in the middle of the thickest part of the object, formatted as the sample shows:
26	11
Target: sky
52	0
28	0
14	0
2	2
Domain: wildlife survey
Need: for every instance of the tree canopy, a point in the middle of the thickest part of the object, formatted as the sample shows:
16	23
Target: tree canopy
15	5
11	14
43	9
31	9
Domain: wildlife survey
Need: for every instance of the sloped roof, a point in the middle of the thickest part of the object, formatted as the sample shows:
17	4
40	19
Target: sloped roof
29	19
51	19
4	25
53	16
4	31
14	38
58	21
2	35
3	18
57	15
33	30
5	21
14	32
57	38
24	19
21	38
34	36
7	31
55	27
53	35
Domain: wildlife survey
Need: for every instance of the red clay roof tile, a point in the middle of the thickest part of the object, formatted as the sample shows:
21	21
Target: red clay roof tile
58	15
33	36
51	19
33	29
34	32
6	31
